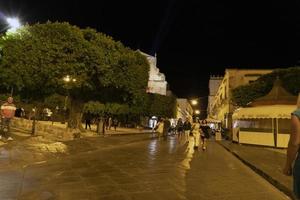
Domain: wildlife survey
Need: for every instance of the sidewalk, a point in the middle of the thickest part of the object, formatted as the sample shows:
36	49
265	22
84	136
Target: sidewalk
267	162
119	131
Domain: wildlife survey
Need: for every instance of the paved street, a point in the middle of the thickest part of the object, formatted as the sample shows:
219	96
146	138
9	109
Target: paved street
131	167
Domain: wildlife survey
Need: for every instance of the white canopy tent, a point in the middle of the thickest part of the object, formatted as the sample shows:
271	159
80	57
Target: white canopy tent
267	125
263	112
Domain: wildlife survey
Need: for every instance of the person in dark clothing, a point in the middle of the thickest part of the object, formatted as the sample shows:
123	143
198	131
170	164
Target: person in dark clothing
205	129
115	123
187	126
88	120
18	112
167	125
179	127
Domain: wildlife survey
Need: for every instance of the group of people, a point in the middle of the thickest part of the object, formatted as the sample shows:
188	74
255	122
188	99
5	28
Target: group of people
199	130
108	122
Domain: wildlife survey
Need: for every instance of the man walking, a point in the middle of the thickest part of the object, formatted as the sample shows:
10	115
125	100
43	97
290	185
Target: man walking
8	110
187	128
166	129
115	123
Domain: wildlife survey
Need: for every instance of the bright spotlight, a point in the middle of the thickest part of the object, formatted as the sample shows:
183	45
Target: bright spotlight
14	23
194	102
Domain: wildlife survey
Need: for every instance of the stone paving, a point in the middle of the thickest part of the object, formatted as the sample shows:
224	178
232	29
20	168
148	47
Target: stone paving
132	167
268	162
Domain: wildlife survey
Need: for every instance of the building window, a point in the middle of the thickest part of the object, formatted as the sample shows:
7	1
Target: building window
284	126
255	125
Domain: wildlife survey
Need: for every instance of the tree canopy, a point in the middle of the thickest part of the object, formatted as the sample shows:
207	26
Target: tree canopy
290	78
36	58
104	75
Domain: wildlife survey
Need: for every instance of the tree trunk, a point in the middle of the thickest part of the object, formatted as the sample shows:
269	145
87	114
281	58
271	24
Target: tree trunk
101	126
75	116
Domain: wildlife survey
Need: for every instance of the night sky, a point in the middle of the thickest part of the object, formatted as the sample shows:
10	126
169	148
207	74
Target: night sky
192	39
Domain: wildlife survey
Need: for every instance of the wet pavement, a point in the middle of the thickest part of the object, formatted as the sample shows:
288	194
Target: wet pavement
129	167
268	162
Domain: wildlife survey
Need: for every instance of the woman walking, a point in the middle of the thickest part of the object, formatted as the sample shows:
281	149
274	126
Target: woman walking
160	128
204	134
179	127
196	133
187	128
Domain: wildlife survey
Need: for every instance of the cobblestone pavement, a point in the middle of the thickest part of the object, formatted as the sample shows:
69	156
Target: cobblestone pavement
133	167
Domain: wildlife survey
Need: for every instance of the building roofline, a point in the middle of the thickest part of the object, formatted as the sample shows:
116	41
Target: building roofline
248	69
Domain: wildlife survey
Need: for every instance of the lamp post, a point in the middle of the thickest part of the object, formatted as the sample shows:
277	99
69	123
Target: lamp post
67	79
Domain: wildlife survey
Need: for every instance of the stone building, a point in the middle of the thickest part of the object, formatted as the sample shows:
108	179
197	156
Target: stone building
184	109
222	107
157	83
213	85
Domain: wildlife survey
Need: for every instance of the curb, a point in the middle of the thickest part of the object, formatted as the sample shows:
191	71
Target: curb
261	173
124	134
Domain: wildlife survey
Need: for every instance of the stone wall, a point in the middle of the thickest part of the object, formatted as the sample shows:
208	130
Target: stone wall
43	129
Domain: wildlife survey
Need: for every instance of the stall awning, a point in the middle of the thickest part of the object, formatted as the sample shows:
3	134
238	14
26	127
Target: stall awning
260	112
211	120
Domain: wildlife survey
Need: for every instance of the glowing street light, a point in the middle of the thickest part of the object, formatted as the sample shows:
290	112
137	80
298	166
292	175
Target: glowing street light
14	23
67	78
194	102
197	112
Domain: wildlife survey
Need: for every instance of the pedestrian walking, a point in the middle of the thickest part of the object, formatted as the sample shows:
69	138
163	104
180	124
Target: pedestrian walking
160	128
8	110
196	133
293	151
23	113
179	127
167	126
88	120
205	129
109	123
115	123
187	128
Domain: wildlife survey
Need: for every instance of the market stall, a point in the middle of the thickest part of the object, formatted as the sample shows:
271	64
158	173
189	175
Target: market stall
263	125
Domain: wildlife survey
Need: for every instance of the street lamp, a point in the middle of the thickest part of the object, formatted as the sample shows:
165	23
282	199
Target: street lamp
13	23
194	102
67	79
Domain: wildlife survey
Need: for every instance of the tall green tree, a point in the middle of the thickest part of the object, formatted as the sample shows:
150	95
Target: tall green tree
160	105
35	60
290	78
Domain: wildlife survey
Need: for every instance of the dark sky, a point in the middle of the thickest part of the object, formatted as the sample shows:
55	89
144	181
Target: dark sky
193	39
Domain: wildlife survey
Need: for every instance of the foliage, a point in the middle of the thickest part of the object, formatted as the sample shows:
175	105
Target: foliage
55	100
97	108
163	106
94	107
35	59
290	78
